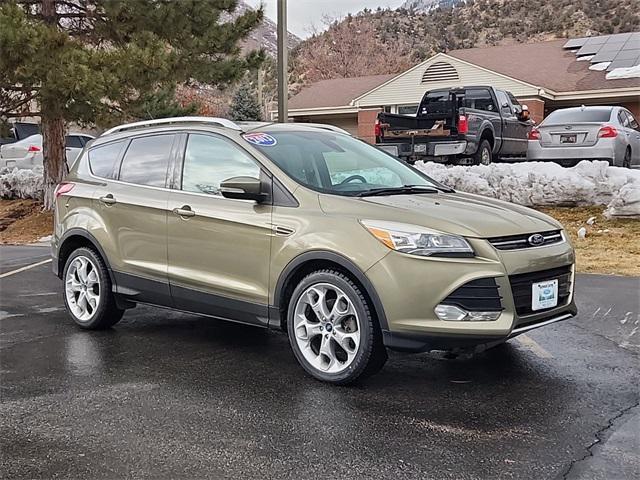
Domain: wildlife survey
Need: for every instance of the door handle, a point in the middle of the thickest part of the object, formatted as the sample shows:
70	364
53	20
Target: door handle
184	212
108	199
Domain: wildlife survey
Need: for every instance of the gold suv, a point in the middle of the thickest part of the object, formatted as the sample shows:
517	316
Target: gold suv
304	228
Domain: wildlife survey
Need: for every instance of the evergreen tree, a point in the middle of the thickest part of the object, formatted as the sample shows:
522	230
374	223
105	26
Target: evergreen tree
105	61
245	106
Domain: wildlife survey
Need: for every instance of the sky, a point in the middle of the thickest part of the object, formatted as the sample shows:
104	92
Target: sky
304	14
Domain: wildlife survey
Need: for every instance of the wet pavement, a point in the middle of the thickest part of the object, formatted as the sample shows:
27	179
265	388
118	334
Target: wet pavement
166	394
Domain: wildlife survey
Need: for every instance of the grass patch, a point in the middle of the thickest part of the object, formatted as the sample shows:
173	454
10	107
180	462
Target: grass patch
611	246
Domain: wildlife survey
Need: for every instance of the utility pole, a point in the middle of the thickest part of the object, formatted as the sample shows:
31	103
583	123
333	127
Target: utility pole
283	60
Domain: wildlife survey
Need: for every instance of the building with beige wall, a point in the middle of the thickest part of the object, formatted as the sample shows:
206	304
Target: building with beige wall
545	76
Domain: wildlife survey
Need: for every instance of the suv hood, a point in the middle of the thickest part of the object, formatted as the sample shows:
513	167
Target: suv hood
456	213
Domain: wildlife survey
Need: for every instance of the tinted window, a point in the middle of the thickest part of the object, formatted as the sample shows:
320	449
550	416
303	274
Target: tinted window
86	139
514	100
102	160
633	123
577	115
437	101
503	100
146	160
407	109
480	99
210	160
74	141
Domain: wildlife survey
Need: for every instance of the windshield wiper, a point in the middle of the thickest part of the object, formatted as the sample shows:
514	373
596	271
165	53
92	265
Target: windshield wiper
405	189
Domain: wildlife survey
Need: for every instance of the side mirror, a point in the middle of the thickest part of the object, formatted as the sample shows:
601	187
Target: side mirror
517	109
243	188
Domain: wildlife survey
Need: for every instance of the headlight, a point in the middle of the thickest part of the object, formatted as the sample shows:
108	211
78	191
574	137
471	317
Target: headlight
417	240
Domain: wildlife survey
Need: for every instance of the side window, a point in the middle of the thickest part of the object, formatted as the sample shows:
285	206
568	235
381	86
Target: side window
209	160
86	140
633	123
503	100
146	160
479	99
102	159
514	100
74	141
623	119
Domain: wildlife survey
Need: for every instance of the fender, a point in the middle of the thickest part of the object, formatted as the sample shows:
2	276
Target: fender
497	139
79	232
345	263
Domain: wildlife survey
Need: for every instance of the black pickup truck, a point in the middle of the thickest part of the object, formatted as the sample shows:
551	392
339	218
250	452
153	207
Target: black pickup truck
465	125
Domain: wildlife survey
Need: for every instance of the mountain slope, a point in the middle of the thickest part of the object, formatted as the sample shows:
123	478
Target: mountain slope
388	41
265	36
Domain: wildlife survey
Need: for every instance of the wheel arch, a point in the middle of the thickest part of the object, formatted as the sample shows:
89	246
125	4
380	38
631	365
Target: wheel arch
309	262
77	238
489	135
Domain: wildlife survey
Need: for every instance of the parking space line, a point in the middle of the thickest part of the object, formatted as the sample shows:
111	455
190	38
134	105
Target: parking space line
532	345
22	269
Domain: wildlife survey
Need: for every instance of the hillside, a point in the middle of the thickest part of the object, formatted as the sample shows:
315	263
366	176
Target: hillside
389	41
265	36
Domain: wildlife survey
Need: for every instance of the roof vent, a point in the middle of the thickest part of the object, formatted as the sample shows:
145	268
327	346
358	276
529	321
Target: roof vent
440	72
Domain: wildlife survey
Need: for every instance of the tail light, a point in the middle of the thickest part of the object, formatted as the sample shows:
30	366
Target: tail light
64	187
534	134
608	131
34	148
463	125
377	128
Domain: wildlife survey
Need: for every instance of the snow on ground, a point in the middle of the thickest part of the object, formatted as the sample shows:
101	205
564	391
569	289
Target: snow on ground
547	184
23	183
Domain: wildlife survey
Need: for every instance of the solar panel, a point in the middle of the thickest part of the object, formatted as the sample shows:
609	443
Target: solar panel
618	38
575	42
597	40
604	56
627	54
623	64
589	50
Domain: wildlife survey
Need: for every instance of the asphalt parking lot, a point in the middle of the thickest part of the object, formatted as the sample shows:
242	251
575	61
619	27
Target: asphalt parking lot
165	394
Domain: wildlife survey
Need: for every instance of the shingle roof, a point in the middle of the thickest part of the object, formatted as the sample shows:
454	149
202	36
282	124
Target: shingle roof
337	92
544	64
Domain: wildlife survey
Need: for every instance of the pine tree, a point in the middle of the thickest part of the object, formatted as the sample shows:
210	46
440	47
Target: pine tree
105	61
245	106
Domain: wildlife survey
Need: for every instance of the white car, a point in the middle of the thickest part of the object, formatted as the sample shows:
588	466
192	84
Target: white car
27	153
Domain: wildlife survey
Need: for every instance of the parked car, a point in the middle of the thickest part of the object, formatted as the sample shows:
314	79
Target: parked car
475	124
570	135
348	249
27	153
20	131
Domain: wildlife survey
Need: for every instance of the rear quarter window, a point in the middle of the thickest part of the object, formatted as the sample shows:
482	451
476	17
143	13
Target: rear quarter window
103	159
147	160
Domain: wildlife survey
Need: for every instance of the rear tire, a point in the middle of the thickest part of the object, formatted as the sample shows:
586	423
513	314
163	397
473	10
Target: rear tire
484	154
87	293
626	161
332	331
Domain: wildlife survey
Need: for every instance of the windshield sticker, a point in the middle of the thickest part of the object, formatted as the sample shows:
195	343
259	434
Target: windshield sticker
260	139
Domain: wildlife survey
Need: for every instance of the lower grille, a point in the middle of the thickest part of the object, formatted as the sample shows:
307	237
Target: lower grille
480	295
521	285
517	242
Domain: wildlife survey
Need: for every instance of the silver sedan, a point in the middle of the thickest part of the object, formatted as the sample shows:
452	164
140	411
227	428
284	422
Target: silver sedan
570	135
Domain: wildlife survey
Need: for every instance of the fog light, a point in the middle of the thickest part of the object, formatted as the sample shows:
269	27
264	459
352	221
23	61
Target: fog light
451	313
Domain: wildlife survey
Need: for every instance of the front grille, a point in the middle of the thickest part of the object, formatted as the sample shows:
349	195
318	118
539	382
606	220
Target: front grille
481	295
517	242
521	286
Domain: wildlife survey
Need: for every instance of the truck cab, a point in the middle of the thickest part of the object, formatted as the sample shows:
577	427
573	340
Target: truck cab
468	125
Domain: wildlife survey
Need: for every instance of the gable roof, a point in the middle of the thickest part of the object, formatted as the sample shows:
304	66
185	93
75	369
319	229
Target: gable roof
336	92
545	64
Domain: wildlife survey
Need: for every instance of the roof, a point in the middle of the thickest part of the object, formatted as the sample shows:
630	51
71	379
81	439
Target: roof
545	64
337	92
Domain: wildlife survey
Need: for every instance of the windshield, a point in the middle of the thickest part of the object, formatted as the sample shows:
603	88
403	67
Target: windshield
599	115
336	163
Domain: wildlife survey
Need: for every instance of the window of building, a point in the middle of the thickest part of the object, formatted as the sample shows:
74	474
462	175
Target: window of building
407	109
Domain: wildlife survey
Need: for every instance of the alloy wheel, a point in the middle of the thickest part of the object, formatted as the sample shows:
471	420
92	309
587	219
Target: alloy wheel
82	288
327	328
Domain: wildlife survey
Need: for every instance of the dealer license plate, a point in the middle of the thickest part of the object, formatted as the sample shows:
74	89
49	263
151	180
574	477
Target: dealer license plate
544	295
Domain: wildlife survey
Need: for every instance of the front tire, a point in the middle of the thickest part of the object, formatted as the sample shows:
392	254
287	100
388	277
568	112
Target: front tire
87	291
332	331
484	154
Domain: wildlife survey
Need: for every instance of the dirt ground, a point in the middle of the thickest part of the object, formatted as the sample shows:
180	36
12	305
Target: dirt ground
610	246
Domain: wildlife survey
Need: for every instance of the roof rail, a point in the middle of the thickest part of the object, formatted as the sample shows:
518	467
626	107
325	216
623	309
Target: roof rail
221	122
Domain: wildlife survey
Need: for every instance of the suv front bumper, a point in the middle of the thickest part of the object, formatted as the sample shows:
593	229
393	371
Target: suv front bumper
411	287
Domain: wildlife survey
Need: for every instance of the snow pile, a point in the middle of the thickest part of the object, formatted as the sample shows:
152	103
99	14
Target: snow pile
618	73
547	184
20	183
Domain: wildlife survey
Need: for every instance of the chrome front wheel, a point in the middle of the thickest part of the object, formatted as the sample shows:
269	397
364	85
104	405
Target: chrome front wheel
327	328
82	288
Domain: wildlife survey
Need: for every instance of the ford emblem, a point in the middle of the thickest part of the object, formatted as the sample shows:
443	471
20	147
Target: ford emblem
535	240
